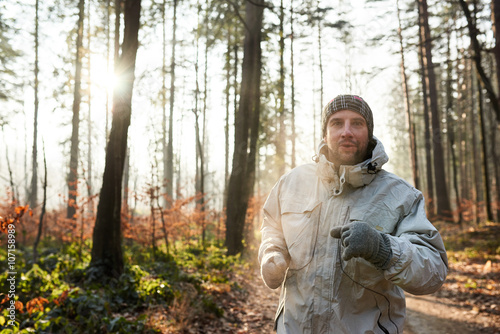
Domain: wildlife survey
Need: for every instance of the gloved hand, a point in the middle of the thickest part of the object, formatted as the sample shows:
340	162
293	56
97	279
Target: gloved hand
361	240
273	268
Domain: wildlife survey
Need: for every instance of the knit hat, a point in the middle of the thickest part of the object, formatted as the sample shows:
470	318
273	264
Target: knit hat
348	102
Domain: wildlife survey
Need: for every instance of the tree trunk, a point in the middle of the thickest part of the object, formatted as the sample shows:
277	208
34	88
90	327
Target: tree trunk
409	120
107	252
226	125
164	136
33	194
281	138
427	126
169	163
486	172
320	58
108	48
89	116
242	177
42	214
77	98
476	153
443	202
451	131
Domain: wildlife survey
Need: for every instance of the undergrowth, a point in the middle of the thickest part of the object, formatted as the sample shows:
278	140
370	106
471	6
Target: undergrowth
58	294
473	243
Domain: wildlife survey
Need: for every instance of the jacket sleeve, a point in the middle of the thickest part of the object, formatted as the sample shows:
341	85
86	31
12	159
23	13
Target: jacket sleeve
419	264
273	239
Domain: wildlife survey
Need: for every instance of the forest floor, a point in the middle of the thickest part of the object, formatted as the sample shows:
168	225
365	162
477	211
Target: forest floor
468	302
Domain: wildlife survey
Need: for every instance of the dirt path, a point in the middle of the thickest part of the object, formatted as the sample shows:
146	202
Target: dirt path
431	314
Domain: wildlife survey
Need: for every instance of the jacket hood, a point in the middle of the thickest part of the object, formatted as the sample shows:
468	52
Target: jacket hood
356	175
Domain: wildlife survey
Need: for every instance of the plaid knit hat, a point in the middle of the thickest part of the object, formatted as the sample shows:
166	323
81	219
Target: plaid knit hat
348	102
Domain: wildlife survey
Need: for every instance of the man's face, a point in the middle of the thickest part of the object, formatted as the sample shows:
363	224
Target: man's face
346	137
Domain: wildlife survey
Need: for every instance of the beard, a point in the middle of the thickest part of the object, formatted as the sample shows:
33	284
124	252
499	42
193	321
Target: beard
347	152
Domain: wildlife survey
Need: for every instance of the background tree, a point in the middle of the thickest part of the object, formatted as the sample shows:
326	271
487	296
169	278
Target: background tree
33	194
77	98
107	254
246	131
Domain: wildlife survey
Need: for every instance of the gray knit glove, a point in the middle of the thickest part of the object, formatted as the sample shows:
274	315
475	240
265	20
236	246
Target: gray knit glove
273	269
361	240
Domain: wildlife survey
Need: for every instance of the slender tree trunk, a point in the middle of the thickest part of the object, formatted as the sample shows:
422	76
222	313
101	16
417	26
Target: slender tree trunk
427	126
409	120
486	172
242	177
476	152
494	143
226	125
107	252
89	115
33	196
42	214
281	138
320	58
201	184
153	218
108	48
9	168
164	137
443	202
169	165
451	131
77	98
292	82
126	179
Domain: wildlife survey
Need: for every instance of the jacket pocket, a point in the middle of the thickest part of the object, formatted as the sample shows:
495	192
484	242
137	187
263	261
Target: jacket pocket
381	217
300	228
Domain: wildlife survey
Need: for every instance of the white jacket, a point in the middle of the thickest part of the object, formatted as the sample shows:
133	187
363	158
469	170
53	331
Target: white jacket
323	293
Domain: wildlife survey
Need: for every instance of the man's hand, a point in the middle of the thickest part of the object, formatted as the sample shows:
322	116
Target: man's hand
273	269
361	240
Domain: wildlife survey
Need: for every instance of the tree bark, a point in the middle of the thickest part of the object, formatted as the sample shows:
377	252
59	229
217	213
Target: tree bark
242	177
106	251
169	163
42	214
292	93
443	202
485	167
427	126
409	120
451	131
77	98
281	138
165	150
33	193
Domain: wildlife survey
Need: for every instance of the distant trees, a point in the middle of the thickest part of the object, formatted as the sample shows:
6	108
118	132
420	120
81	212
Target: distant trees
454	111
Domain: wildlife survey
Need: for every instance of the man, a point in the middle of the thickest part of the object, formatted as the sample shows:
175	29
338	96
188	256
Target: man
344	238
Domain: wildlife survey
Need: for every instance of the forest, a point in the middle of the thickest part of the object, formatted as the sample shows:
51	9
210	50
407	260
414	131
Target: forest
140	139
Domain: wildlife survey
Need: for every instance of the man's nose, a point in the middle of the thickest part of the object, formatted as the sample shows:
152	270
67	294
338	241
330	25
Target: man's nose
347	131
